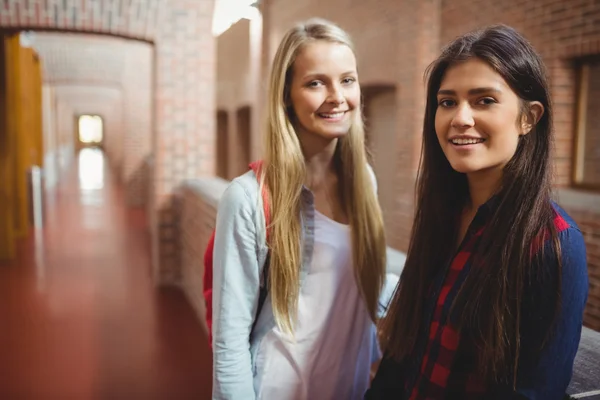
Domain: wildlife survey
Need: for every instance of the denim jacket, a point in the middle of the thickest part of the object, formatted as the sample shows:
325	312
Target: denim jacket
239	255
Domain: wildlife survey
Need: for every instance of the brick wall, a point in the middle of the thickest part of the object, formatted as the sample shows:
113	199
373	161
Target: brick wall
380	117
584	207
135	19
183	80
137	138
185	116
238	85
591	138
589	223
232	93
65	132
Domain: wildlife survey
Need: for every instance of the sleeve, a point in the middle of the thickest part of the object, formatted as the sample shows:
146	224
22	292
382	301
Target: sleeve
547	375
235	295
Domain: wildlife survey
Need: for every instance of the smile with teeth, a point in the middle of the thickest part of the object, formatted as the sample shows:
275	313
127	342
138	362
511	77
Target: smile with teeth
332	115
462	141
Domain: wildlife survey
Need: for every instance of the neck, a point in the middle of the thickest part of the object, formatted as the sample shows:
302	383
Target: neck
482	186
318	154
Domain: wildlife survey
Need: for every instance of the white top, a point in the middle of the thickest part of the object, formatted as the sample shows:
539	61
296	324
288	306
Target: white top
335	340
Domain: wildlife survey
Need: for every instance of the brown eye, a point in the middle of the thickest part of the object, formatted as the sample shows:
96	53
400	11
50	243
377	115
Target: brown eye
446	103
486	101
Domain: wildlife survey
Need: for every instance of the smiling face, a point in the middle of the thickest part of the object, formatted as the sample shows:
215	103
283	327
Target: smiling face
478	119
324	90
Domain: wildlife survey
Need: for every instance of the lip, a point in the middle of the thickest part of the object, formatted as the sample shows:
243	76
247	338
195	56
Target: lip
335	119
465	147
451	138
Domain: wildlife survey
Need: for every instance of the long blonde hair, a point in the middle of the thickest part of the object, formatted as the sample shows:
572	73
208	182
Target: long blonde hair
284	174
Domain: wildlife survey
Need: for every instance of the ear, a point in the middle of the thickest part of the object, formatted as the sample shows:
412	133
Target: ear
532	117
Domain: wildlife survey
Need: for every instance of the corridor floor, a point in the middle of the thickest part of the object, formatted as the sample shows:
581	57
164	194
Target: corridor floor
79	315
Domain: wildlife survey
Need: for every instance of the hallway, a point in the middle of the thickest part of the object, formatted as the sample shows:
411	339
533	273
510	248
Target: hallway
80	317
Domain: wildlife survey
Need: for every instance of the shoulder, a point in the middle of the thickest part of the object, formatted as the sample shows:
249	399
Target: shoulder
572	249
562	220
571	239
241	193
569	251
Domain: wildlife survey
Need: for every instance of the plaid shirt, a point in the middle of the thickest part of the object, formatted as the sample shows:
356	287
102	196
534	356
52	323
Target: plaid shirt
442	366
443	339
447	371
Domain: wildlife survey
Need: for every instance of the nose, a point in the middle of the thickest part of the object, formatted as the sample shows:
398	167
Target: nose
336	95
463	118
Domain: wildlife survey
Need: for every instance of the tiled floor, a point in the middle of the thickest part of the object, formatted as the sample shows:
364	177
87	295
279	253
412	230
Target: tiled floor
79	316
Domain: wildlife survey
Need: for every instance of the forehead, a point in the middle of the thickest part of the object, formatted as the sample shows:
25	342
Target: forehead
470	74
323	57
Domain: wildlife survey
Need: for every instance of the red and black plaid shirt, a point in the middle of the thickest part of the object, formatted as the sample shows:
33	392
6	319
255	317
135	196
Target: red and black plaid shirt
441	357
443	340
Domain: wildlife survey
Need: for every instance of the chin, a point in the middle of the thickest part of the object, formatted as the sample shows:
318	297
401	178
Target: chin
331	134
464	168
335	135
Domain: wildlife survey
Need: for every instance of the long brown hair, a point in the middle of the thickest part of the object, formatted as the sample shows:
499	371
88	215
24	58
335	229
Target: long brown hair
490	298
284	176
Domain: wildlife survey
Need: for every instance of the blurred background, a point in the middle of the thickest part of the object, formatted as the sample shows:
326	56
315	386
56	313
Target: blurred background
121	122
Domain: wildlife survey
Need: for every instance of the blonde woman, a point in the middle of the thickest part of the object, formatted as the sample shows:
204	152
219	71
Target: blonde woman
314	338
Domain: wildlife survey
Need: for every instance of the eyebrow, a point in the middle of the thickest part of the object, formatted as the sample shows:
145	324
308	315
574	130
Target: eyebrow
471	92
321	75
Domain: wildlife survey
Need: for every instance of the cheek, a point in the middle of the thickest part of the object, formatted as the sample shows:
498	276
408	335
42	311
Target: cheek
353	98
512	143
301	109
504	134
308	103
441	125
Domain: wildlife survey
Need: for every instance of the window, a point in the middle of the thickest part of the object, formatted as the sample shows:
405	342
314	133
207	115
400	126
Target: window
587	145
90	129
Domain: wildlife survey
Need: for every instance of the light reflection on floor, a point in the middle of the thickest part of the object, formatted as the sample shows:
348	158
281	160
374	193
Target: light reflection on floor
91	169
92	182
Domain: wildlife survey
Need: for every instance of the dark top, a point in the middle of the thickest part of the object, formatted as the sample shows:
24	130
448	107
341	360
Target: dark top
440	369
